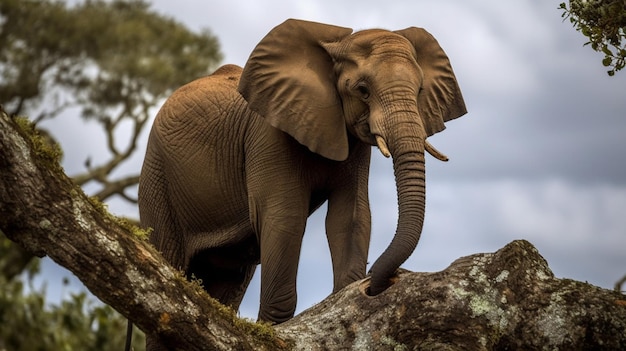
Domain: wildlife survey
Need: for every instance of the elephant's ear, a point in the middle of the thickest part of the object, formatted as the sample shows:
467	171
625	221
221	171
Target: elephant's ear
440	99
289	80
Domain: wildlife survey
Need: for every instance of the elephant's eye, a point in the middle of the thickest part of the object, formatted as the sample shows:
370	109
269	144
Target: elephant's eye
364	90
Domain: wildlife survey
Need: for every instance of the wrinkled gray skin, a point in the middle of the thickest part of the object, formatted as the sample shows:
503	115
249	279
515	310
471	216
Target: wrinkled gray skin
237	161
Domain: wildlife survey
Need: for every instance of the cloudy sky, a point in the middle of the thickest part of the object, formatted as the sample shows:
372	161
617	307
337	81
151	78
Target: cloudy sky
539	156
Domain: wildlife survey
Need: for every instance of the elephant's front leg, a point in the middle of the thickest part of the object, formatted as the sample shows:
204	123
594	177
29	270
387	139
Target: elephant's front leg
281	226
348	239
348	227
348	221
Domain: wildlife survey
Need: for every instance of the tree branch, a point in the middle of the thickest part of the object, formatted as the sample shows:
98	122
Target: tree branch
102	172
508	300
504	300
117	188
15	261
47	214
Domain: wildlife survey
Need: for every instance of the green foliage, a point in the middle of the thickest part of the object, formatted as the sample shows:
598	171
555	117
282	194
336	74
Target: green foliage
30	323
604	23
107	54
13	262
127	224
46	149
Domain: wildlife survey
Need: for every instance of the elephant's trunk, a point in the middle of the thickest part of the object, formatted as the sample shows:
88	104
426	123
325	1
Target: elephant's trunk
406	146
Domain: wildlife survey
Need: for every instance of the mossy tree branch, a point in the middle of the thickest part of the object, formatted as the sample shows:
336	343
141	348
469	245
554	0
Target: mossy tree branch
507	300
47	214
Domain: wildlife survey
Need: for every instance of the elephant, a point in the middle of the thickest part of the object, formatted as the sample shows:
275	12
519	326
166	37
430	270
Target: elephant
237	161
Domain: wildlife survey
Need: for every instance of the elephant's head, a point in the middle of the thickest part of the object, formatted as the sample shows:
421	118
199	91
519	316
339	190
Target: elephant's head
318	83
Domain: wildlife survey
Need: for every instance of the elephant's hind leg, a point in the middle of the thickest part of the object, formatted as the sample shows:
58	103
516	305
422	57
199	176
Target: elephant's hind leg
156	212
226	272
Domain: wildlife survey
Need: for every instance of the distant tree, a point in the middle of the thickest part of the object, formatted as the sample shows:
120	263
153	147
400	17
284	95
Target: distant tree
604	23
30	322
113	61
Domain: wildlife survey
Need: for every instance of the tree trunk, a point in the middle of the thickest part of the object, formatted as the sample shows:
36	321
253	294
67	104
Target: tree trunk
504	300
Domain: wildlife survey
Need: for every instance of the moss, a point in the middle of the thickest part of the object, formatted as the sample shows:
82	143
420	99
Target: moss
263	332
48	152
194	280
98	205
260	331
136	231
124	223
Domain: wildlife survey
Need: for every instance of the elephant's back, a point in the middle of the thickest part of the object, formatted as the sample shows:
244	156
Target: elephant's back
199	134
224	79
207	112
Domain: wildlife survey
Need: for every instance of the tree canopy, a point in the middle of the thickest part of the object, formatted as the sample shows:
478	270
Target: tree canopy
604	23
106	54
113	61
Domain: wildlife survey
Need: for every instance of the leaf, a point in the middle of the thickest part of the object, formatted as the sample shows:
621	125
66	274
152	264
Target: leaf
607	61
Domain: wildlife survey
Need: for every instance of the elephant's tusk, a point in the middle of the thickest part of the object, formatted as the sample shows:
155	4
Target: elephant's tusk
382	145
434	152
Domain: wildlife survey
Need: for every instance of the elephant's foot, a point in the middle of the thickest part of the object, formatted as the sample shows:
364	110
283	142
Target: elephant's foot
278	312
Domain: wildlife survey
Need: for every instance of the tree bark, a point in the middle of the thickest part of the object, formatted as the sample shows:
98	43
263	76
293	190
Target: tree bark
43	211
507	300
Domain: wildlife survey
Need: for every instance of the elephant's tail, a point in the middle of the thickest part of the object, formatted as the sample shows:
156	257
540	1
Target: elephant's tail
129	336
